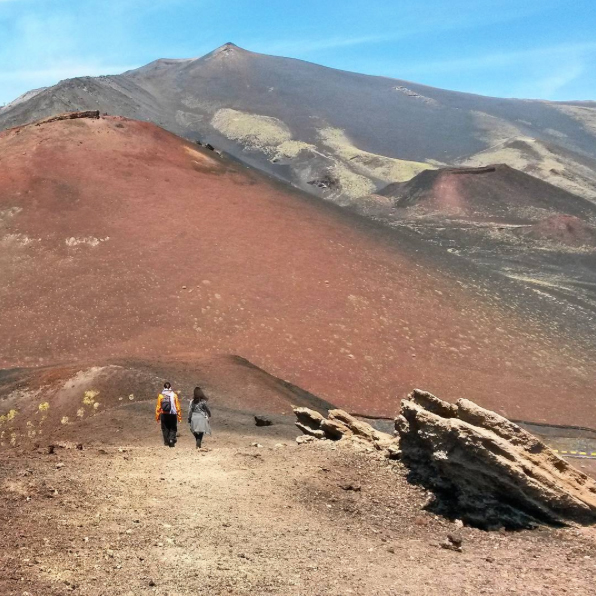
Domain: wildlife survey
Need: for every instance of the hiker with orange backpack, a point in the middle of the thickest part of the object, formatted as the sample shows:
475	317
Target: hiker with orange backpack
169	413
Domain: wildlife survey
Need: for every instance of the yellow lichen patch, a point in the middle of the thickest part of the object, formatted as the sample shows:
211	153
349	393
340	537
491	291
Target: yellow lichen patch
64	420
89	397
536	158
291	149
370	165
131	397
255	131
352	184
81	412
43	407
11	415
96	405
13	439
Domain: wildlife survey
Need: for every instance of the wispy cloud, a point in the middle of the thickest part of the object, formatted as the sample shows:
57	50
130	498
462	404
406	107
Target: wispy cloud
307	46
57	73
497	59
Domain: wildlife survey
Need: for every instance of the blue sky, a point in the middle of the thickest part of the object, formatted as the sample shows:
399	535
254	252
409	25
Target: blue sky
523	48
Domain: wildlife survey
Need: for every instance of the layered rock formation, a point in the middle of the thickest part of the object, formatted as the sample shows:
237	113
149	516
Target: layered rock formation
480	467
486	470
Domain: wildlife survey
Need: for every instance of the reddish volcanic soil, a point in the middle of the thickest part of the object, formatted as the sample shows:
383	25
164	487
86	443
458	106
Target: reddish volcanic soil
496	192
120	240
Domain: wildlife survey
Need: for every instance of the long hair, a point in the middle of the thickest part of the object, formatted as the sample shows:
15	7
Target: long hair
198	394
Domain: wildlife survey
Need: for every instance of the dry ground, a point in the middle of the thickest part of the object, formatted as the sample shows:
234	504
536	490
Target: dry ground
142	519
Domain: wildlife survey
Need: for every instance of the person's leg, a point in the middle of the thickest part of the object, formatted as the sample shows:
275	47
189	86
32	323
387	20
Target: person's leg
164	429
199	437
174	430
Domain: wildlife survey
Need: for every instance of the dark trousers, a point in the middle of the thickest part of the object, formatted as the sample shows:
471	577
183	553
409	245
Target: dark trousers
199	438
169	428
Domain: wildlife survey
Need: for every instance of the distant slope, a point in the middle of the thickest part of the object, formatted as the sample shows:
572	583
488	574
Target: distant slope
504	220
120	240
333	133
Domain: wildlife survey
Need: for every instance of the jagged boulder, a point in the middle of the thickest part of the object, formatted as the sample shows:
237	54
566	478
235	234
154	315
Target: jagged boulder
340	425
486	470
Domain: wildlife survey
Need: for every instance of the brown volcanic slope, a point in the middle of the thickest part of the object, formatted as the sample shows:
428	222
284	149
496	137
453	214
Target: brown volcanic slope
503	220
492	193
121	240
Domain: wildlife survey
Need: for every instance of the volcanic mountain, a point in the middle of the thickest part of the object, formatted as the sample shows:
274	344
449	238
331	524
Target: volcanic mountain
333	133
122	243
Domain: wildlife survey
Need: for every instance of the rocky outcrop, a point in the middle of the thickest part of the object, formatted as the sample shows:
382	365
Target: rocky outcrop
486	470
340	425
93	114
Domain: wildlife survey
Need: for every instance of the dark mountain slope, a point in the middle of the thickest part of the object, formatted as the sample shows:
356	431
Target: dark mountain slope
334	133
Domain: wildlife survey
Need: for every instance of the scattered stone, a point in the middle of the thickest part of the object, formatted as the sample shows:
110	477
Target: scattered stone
302	439
257	445
453	542
349	486
59	465
263	421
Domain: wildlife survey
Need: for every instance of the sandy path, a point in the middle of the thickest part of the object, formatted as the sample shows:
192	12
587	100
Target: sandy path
247	520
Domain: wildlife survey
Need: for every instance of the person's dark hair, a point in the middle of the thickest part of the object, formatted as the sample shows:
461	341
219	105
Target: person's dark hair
199	394
167	385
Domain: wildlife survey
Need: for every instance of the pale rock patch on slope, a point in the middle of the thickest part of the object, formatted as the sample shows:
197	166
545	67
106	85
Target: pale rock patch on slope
386	169
255	131
586	116
416	96
493	129
91	241
6	214
269	135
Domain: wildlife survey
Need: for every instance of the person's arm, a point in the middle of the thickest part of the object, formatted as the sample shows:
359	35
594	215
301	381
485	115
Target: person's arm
189	411
178	410
158	407
206	407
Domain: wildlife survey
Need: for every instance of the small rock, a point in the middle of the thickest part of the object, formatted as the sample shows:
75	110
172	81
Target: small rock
459	524
304	439
455	539
349	486
258	445
263	421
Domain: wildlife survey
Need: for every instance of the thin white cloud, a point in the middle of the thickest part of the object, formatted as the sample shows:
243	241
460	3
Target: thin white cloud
308	46
497	59
63	72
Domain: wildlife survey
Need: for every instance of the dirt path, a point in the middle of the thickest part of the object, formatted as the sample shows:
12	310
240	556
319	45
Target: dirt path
253	520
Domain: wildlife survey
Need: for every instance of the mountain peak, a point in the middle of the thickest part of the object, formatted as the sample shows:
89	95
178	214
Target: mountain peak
227	49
